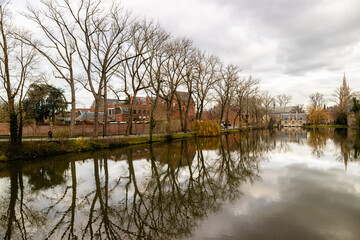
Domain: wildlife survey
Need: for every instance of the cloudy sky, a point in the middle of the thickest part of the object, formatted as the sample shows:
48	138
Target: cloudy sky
294	47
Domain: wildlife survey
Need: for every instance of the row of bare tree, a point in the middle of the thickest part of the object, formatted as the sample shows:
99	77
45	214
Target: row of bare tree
104	49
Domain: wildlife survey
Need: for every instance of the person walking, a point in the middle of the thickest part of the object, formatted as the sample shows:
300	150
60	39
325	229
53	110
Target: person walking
50	134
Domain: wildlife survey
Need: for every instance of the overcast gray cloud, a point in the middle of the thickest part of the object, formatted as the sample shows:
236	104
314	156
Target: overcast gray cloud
296	47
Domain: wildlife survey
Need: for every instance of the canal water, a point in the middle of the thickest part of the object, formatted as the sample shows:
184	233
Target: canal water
288	184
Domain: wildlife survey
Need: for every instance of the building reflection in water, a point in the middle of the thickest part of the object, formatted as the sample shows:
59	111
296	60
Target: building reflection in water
292	134
159	192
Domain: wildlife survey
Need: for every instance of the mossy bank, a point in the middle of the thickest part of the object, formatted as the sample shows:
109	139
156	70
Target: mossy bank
39	149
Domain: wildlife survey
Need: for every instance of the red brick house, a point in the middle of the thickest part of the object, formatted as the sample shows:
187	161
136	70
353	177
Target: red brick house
118	110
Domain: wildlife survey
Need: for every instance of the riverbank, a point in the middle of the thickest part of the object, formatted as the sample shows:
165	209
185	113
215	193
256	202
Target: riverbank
325	126
44	147
39	149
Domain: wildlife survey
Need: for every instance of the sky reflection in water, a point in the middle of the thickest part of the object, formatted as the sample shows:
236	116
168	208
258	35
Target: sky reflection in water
259	185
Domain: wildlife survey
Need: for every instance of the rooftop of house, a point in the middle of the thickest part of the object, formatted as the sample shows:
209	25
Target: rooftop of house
110	101
286	109
90	116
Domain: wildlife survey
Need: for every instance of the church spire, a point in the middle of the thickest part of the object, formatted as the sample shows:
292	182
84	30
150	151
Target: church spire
344	82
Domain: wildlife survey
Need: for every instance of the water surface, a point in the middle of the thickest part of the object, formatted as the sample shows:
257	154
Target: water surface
289	184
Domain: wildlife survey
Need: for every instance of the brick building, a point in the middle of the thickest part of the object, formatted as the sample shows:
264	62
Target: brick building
118	110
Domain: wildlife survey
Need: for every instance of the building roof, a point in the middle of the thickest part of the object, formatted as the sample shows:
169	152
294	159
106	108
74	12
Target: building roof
288	109
110	101
90	116
284	109
184	96
142	100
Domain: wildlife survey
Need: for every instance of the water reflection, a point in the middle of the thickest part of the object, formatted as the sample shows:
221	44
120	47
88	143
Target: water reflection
164	191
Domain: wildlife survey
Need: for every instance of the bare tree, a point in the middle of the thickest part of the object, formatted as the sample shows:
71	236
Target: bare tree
16	65
133	71
58	47
185	98
267	103
317	100
206	70
282	100
225	88
98	37
300	108
173	75
244	89
155	75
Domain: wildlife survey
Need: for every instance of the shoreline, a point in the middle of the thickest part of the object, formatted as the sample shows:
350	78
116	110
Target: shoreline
42	148
36	149
325	126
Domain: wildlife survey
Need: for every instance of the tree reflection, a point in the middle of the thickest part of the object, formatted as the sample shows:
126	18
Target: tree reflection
356	145
160	192
317	140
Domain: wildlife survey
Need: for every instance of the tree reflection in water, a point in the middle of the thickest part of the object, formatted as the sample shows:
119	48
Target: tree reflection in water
159	192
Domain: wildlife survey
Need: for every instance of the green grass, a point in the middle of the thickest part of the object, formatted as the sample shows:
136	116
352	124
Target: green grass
326	126
39	149
230	131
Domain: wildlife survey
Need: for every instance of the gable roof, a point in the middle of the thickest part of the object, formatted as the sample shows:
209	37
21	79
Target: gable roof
90	116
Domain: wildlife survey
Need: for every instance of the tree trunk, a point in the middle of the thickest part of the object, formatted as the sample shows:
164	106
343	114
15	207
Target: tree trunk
96	118
180	113
131	115
73	200
221	114
13	122
187	113
227	118
11	210
168	117
20	129
201	109
72	112
152	118
105	123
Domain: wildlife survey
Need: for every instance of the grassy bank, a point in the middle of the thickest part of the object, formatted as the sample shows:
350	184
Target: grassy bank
225	131
326	126
39	149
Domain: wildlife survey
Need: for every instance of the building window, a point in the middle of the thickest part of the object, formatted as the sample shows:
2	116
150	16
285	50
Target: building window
293	122
111	111
144	112
285	122
139	112
117	110
134	111
148	112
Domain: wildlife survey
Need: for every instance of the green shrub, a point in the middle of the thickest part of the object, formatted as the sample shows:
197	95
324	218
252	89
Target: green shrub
3	158
80	144
205	128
